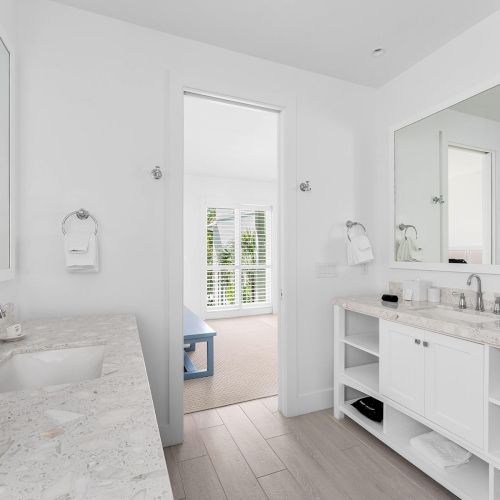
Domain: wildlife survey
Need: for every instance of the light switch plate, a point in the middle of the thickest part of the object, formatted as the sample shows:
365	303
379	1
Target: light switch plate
326	270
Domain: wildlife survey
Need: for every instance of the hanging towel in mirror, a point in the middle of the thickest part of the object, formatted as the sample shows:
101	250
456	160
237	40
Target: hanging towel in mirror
408	250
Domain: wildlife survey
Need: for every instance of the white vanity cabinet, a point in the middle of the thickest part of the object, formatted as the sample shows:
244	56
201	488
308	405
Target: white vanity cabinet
427	381
436	376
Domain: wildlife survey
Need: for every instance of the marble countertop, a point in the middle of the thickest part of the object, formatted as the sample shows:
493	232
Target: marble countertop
482	327
96	439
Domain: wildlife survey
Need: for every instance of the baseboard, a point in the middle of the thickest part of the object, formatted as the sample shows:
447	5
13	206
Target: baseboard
310	402
169	435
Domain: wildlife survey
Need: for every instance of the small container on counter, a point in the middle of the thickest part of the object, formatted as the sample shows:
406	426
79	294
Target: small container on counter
434	295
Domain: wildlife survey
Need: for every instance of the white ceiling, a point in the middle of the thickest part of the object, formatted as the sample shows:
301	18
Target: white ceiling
227	140
333	37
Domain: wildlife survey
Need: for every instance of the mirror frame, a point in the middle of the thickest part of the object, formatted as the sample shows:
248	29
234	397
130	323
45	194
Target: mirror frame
9	273
431	266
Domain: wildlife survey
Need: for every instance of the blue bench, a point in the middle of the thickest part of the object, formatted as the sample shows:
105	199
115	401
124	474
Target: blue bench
196	330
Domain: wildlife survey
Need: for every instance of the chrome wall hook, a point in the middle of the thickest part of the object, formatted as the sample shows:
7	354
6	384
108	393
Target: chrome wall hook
304	186
438	199
157	173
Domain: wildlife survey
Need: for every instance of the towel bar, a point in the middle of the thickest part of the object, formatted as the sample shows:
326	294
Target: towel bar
405	227
350	224
81	214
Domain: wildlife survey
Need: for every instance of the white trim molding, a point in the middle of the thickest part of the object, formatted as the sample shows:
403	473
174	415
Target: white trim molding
289	401
10	272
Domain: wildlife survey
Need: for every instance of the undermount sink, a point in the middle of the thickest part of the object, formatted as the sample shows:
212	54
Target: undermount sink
454	315
43	368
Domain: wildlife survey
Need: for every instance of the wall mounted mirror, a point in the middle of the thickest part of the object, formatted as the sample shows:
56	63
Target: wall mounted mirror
6	243
447	187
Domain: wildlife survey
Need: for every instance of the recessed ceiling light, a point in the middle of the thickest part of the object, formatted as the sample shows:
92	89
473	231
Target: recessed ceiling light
379	51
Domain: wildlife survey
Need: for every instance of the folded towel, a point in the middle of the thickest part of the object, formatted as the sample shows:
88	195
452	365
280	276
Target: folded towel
77	242
359	250
83	261
440	451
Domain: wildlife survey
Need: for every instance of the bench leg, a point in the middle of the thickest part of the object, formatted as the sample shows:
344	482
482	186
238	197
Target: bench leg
191	348
190	370
210	357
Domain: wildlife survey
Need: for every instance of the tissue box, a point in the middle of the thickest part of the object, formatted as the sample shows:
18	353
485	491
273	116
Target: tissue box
416	290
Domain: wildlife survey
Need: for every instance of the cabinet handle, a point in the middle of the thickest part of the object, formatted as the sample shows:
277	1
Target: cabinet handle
426	344
417	341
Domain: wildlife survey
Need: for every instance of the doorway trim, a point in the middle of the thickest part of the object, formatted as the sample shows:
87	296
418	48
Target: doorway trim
288	397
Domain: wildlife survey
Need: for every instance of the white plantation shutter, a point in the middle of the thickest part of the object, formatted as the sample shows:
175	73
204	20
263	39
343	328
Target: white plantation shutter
221	260
239	273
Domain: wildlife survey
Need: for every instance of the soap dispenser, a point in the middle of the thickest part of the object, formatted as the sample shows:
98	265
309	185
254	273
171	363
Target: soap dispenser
496	307
9	328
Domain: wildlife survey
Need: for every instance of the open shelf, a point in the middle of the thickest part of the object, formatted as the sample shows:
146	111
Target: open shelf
365	376
494	430
375	427
367	342
469	481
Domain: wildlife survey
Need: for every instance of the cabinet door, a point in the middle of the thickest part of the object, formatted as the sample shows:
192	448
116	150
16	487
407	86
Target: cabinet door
402	365
454	380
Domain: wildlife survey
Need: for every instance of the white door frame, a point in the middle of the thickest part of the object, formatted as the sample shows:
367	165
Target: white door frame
288	400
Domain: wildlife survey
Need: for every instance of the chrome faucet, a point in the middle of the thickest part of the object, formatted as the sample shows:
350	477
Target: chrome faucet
479	296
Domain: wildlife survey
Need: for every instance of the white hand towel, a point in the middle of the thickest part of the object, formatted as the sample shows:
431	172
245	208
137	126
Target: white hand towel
359	250
440	451
77	242
84	262
403	253
408	251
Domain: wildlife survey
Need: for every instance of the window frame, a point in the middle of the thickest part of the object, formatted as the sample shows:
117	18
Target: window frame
239	308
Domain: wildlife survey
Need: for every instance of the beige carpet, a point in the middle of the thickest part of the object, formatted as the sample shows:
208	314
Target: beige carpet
246	364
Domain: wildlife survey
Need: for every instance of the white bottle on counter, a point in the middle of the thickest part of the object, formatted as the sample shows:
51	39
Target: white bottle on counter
9	328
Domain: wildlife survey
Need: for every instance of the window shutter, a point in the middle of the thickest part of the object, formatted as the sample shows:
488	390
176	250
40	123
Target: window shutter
221	260
239	273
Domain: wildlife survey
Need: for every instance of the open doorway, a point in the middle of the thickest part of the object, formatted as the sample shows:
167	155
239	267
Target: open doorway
231	285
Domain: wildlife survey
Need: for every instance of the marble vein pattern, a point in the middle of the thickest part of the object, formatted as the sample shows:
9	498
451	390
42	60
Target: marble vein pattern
425	315
97	439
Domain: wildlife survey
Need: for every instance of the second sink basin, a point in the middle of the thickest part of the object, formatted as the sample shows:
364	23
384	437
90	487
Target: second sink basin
43	368
454	315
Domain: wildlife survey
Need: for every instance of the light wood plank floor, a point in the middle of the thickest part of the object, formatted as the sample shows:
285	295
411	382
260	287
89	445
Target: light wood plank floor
250	451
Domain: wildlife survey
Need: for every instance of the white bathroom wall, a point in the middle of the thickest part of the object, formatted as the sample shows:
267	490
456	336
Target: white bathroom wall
200	192
92	126
461	68
8	29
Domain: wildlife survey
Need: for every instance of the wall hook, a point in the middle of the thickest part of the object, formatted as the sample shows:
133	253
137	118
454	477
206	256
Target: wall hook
157	173
304	186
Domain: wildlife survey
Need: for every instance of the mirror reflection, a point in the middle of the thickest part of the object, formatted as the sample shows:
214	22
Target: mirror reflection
4	157
447	185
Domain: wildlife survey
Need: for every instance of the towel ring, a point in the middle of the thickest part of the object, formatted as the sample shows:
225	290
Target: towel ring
405	227
350	224
81	214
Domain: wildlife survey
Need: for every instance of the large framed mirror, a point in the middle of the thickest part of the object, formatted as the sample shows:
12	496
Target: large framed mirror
6	163
447	188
